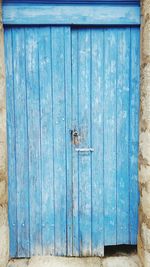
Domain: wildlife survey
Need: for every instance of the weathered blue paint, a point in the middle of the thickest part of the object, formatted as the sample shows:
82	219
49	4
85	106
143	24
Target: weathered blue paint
59	131
133	134
121	2
123	134
64	202
21	147
11	144
68	14
110	74
46	102
84	123
34	139
97	139
75	156
69	185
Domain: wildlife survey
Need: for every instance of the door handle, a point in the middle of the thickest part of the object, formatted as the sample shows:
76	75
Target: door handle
86	149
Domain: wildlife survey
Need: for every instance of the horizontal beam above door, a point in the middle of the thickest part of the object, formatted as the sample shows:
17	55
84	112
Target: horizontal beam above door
120	2
16	14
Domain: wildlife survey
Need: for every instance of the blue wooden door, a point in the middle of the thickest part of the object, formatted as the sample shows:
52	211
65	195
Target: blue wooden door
72	118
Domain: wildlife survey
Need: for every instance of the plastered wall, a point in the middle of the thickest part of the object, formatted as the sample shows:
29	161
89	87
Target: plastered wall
144	148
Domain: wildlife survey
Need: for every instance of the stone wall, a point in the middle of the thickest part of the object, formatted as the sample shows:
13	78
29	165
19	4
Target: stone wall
3	156
144	153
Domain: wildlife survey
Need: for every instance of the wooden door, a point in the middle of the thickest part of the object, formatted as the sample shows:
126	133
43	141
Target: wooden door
72	118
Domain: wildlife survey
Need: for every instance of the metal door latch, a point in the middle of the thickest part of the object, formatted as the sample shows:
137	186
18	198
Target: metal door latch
86	149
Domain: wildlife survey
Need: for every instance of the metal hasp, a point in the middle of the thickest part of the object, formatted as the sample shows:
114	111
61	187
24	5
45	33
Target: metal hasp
86	149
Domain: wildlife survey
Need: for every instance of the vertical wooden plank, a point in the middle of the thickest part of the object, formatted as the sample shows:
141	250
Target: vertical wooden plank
59	127
134	133
97	70
110	66
33	104
84	84
68	117
21	142
11	143
123	76
44	34
75	156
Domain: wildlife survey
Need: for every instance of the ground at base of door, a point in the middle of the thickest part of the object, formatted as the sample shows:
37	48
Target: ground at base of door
116	261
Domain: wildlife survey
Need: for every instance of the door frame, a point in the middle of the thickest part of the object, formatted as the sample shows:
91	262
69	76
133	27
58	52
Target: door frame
16	14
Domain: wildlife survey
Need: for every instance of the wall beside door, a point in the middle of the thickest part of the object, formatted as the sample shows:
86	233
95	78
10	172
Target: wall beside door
144	153
4	229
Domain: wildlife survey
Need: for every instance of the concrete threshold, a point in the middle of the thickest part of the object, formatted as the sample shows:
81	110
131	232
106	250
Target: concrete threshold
49	261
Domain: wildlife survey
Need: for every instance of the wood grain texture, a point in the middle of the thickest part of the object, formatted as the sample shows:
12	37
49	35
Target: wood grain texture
97	139
68	14
68	121
59	131
110	138
123	90
11	144
134	133
61	201
75	155
21	149
34	139
46	120
84	69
